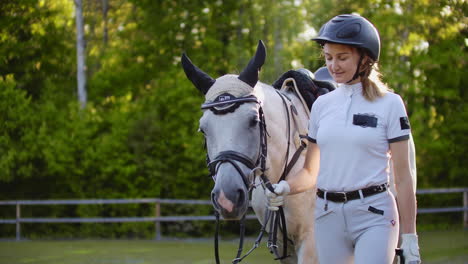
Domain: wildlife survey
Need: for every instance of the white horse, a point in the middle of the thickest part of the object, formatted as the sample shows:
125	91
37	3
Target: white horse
235	128
234	114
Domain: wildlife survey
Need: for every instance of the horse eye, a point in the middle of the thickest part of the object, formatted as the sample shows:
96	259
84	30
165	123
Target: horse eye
254	121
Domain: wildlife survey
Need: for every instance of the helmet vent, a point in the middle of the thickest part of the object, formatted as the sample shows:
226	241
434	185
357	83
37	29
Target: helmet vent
349	31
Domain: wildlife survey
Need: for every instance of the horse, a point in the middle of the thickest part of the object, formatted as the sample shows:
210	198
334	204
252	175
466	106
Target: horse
241	116
246	123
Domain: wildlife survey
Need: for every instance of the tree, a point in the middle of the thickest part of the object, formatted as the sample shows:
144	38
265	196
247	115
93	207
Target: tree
80	53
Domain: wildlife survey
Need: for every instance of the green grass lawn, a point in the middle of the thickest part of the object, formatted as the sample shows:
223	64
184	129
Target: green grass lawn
436	247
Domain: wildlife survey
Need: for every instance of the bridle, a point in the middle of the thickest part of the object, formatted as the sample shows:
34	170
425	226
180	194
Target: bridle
224	104
227	103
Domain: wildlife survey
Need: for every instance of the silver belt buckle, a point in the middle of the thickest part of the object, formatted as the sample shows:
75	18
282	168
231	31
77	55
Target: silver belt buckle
344	195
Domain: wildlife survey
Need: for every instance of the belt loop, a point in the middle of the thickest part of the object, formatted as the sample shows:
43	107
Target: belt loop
326	201
361	195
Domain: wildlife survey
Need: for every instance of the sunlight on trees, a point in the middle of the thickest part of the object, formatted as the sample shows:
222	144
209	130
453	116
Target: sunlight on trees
141	107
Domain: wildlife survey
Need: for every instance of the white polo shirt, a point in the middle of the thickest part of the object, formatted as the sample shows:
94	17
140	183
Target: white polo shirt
353	135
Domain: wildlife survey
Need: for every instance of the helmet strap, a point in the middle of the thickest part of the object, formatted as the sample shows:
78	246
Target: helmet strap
357	73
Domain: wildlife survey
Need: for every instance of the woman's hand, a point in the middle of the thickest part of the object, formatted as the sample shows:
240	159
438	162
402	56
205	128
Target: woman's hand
276	199
409	244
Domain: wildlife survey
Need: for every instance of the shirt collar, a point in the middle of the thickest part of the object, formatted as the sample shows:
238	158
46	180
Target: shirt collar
352	89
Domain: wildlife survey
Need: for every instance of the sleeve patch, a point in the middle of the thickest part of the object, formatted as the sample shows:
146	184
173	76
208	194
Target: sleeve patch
404	123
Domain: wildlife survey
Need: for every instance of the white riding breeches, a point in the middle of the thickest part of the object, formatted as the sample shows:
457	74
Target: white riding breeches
361	231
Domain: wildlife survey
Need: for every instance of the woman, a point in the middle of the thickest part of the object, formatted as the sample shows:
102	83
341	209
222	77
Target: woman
353	131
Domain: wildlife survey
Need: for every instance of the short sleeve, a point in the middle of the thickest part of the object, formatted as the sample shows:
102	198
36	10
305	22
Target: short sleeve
398	128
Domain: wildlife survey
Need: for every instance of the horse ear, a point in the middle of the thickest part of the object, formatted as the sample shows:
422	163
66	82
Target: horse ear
250	73
201	80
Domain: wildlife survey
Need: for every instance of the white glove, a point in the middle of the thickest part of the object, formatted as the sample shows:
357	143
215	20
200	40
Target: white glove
276	199
409	244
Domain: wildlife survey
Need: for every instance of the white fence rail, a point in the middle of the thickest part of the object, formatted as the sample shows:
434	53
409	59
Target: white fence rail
157	219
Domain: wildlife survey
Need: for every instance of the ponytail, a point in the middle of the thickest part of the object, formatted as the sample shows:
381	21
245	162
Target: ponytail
372	85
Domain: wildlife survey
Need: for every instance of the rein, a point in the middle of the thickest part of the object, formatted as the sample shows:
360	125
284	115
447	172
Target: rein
229	104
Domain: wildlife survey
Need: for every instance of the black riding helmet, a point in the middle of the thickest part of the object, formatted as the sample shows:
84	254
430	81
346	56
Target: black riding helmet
351	30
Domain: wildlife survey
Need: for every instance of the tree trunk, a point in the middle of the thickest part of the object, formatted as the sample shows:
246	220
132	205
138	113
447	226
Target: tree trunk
80	53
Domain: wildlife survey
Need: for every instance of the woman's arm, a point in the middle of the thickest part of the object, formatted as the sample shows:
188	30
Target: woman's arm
406	198
306	178
302	181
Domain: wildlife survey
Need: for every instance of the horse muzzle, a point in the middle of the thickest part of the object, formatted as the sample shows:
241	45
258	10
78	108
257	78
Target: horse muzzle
232	204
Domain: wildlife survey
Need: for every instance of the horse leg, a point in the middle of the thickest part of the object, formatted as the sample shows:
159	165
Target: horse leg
306	251
302	253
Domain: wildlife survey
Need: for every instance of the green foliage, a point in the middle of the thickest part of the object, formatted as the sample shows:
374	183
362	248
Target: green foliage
138	137
35	45
14	138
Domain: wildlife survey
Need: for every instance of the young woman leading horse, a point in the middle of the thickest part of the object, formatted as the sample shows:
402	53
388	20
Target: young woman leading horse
353	131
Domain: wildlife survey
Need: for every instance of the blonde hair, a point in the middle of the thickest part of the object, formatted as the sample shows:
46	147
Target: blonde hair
372	85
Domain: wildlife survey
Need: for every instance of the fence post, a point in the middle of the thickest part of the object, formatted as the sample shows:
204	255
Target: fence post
465	213
158	224
18	224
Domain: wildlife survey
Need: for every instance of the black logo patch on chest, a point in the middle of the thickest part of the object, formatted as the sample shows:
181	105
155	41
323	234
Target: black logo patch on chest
365	120
404	123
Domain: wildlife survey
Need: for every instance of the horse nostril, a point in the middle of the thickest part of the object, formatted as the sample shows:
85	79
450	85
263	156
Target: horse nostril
241	196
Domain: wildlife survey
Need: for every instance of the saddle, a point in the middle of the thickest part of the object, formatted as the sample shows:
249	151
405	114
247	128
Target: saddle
308	85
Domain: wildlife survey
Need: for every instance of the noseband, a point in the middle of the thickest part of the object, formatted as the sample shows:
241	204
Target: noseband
230	157
227	103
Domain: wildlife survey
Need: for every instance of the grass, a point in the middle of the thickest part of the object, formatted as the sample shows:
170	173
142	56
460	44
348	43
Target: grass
122	252
436	247
444	246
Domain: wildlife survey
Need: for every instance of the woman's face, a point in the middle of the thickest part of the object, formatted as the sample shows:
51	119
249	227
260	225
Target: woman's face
342	61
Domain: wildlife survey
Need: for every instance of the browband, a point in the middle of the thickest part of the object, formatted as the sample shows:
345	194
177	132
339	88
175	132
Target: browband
250	98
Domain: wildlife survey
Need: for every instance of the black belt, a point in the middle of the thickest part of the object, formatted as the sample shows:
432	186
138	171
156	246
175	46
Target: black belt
343	197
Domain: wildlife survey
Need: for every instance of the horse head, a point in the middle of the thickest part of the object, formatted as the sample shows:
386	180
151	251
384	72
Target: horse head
232	124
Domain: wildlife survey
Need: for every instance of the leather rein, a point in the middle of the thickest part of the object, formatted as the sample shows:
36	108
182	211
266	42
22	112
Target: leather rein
258	167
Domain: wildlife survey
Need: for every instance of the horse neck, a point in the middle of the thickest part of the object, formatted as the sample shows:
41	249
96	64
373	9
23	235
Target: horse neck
276	117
